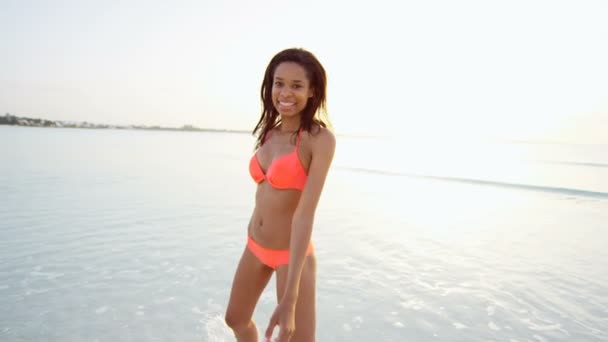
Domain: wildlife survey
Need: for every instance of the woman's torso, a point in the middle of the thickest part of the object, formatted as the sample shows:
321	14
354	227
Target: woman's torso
276	202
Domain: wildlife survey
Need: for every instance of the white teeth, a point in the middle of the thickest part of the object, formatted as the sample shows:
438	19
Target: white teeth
286	103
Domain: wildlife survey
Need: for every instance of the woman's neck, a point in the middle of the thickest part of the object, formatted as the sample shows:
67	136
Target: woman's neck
289	125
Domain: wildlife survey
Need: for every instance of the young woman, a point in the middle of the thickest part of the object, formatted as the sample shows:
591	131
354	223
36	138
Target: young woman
294	151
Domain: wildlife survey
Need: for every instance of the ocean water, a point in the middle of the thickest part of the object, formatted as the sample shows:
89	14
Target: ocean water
118	235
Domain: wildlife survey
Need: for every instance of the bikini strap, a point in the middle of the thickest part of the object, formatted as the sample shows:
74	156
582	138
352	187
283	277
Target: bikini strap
267	136
298	141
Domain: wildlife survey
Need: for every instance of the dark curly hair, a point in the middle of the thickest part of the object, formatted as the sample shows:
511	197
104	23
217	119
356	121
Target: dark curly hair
315	111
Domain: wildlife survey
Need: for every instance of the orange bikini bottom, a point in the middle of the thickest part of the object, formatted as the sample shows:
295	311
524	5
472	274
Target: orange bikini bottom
272	257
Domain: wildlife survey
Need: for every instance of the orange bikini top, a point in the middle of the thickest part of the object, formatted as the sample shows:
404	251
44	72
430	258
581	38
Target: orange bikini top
284	172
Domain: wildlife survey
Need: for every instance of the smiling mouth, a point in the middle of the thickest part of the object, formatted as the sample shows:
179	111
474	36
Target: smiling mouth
286	106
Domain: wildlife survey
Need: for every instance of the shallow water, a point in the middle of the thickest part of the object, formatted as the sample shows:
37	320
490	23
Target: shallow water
135	235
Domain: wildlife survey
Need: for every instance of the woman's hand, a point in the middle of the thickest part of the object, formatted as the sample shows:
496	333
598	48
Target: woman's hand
285	317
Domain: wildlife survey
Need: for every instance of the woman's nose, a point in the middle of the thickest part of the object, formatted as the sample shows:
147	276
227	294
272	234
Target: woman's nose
285	91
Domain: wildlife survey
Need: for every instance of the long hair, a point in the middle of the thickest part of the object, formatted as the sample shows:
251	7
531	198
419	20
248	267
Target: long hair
315	111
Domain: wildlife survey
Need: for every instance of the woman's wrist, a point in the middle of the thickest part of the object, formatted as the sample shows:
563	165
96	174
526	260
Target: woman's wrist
290	299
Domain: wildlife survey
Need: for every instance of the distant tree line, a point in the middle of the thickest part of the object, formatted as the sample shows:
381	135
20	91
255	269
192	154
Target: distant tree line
9	119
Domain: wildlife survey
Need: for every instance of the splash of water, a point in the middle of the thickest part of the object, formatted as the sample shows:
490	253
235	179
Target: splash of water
215	330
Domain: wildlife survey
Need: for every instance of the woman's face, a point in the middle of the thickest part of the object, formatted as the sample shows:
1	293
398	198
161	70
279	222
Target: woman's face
290	89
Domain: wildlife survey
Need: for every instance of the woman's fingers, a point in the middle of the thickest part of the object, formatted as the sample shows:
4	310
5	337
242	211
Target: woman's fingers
286	325
284	334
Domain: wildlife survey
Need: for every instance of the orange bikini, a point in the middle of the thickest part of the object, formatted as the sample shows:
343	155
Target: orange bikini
285	172
273	257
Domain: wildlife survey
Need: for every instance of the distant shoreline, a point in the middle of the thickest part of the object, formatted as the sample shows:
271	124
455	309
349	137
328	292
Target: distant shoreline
11	120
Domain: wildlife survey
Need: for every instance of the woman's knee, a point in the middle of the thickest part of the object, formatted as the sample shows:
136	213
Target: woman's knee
237	322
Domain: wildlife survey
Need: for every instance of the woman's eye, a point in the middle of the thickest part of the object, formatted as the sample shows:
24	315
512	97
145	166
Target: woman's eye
297	86
277	83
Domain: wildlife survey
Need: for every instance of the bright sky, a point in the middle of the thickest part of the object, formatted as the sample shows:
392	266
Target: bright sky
421	69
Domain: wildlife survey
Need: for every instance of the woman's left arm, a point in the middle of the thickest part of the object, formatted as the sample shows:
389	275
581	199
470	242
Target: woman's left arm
323	148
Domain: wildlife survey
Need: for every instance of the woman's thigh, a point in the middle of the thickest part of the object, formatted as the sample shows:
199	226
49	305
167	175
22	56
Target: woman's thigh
306	304
250	279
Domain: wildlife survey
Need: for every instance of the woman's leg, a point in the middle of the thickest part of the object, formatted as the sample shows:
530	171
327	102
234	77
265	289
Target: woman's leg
306	304
249	281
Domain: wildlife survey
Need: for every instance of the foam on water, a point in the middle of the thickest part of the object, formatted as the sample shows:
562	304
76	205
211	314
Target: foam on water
215	329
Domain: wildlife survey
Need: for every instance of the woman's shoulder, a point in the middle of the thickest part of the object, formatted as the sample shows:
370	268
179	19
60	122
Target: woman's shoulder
321	136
